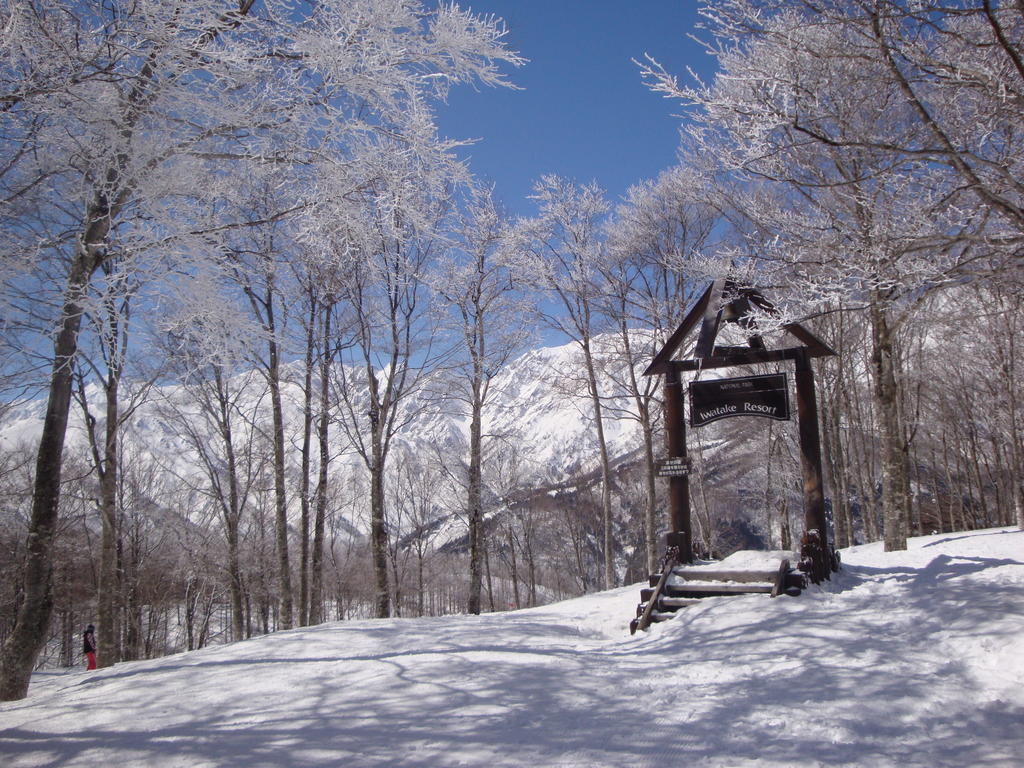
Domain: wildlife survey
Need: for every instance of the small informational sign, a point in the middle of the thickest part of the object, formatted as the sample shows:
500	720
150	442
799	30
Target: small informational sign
766	396
675	466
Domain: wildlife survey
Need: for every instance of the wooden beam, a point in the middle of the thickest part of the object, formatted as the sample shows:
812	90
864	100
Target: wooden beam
742	358
780	579
643	620
814	344
725	587
677	602
712	321
678	336
708	311
681	535
810	461
707	574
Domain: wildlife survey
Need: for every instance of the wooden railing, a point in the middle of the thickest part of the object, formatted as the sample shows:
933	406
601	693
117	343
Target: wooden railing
644	620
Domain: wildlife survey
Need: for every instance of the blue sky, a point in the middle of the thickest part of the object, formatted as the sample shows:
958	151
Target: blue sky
584	112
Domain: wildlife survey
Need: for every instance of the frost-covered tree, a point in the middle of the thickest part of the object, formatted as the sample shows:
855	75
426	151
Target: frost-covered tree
120	121
211	411
317	314
487	318
254	258
656	241
111	326
948	82
561	254
118	109
380	226
833	124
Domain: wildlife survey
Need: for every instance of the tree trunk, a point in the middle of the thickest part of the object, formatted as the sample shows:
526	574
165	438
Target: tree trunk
474	503
835	460
863	460
769	511
109	636
420	578
316	590
643	409
68	638
895	496
27	638
1009	380
235	583
606	480
284	577
650	493
487	572
531	562
514	568
378	529
231	509
304	479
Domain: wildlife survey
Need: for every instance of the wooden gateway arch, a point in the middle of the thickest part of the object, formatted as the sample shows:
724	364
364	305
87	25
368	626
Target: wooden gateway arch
725	302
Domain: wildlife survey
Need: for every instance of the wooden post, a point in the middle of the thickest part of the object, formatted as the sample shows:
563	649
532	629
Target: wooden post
681	535
810	461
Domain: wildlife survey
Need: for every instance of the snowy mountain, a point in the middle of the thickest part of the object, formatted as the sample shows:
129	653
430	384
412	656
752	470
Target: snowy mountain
538	406
912	659
539	403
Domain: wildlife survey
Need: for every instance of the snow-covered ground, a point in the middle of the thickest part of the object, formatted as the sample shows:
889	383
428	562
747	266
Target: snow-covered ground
905	659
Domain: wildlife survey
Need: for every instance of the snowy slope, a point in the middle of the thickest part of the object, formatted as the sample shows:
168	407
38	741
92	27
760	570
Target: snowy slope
906	659
558	429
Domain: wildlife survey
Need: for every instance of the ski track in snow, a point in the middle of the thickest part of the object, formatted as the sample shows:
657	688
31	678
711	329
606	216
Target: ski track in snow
905	659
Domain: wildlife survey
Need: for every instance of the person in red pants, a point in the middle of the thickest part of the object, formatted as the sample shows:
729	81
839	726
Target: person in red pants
89	647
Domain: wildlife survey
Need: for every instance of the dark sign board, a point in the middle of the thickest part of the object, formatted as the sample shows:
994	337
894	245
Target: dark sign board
766	396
